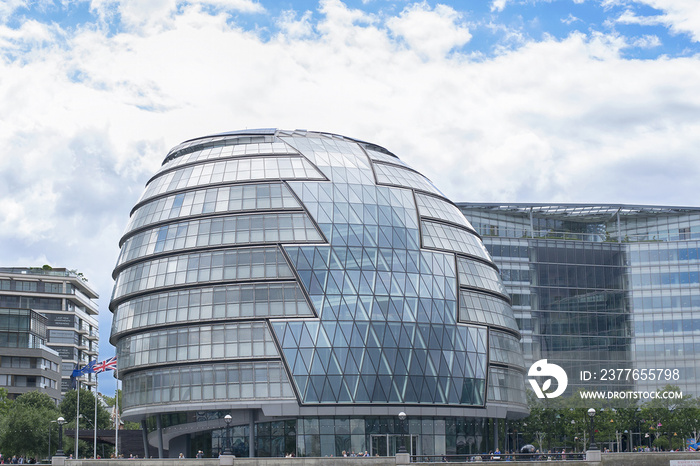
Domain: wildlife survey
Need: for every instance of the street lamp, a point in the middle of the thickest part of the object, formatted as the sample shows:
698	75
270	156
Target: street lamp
227	448
591	414
402	418
60	422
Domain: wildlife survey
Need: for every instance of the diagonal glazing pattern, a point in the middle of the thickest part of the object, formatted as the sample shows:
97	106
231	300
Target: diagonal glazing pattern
387	309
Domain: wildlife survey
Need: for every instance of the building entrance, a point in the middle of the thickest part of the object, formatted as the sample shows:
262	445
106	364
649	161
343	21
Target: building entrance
389	444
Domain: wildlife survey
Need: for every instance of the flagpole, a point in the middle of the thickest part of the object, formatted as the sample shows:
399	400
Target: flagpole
94	447
77	417
116	416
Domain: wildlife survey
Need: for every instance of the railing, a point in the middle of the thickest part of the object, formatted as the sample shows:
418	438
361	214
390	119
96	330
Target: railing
606	237
498	457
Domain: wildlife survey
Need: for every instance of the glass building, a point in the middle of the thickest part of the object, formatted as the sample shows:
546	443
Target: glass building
601	286
312	286
69	304
26	364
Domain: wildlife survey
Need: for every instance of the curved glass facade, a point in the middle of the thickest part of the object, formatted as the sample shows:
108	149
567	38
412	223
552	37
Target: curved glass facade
300	278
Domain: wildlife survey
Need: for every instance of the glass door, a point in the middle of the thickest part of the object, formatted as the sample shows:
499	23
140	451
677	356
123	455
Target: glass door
379	446
389	445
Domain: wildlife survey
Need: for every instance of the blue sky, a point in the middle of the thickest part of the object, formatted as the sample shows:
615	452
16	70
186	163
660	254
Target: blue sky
648	28
503	100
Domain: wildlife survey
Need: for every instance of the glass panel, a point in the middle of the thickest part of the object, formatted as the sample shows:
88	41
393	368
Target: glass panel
381	157
243	381
244	340
479	275
481	308
505	348
238	264
235	170
450	238
257	300
238	229
220	147
403	177
431	206
214	200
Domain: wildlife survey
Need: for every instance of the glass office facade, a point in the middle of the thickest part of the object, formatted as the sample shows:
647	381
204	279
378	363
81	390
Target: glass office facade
26	364
601	286
313	286
70	306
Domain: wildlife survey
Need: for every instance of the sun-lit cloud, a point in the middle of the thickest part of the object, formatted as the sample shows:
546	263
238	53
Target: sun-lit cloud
432	33
681	16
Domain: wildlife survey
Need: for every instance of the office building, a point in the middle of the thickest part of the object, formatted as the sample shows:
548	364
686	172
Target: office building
312	287
69	305
26	363
598	287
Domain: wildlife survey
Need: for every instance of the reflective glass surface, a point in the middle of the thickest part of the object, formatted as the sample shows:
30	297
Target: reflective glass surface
442	236
207	342
505	348
210	151
399	176
214	200
434	207
505	385
241	381
236	264
387	329
236	170
381	157
221	231
479	275
218	140
253	300
483	308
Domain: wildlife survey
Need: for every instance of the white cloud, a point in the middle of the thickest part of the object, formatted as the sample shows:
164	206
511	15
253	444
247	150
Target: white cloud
88	115
646	42
570	19
498	5
293	28
432	33
681	16
143	16
630	17
7	7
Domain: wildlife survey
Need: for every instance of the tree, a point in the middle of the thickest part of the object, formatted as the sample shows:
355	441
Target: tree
87	408
25	429
670	419
5	403
544	423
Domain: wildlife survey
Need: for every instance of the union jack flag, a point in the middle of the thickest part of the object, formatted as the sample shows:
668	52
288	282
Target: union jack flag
106	365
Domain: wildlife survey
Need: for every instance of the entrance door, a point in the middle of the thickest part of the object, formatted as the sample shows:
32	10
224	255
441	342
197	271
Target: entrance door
389	444
379	446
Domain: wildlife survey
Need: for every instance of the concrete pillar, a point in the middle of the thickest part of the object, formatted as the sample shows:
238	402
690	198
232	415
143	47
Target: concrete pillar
593	455
144	435
159	428
495	434
251	433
